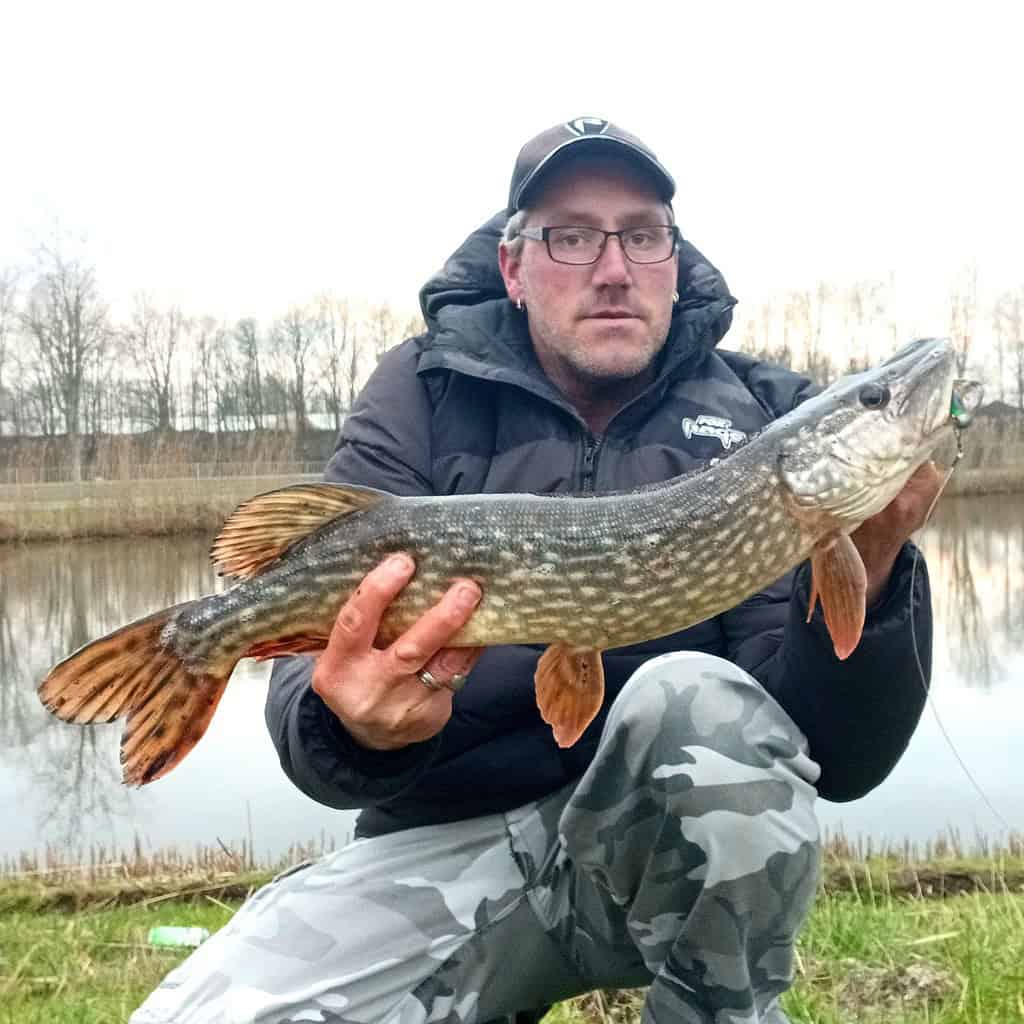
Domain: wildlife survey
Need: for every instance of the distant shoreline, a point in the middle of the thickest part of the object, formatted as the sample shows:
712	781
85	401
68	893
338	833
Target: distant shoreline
162	507
991	480
127	508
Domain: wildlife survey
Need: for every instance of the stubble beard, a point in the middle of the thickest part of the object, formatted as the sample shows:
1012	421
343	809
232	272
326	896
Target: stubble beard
579	363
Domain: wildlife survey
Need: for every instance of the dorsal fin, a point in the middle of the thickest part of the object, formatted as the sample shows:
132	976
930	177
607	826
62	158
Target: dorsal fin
261	529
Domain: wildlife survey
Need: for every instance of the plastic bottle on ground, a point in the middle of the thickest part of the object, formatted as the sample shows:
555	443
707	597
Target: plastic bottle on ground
176	937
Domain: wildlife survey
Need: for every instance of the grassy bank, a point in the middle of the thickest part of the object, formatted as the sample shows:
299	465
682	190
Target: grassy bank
867	956
889	940
876	958
117	508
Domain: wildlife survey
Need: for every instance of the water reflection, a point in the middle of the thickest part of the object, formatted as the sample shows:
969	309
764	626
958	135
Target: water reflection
975	550
54	599
60	783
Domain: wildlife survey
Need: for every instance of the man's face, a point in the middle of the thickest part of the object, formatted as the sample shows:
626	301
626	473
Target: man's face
596	325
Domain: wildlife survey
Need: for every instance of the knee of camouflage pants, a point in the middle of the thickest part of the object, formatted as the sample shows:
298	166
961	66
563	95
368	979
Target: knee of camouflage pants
696	820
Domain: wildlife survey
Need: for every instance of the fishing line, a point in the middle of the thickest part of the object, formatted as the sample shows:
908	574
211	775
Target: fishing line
917	657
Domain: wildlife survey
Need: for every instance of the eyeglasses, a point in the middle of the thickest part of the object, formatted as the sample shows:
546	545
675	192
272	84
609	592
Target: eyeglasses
580	246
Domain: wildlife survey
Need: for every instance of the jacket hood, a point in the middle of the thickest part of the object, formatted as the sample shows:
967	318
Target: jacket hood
470	277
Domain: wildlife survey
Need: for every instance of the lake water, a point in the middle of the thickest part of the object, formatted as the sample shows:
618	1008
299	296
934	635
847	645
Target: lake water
60	784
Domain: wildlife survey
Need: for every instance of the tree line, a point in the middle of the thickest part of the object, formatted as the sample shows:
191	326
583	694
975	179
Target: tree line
69	370
828	330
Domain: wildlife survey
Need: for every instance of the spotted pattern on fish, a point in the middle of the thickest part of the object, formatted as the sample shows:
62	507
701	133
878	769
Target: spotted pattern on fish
640	567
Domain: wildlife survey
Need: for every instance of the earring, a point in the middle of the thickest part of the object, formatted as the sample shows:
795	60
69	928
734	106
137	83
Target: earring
675	298
519	305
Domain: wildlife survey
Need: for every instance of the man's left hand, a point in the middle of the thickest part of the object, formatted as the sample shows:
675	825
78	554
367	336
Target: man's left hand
880	538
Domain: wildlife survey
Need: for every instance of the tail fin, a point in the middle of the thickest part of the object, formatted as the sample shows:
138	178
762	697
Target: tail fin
129	674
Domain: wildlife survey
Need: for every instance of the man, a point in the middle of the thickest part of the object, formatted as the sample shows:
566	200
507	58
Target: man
674	845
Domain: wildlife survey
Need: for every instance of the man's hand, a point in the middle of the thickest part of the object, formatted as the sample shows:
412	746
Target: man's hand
376	693
880	538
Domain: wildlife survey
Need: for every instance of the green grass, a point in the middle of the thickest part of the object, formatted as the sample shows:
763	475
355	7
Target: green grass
871	956
868	954
89	967
875	958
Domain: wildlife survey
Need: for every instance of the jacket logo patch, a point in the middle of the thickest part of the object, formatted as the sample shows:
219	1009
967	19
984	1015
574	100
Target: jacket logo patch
588	126
714	426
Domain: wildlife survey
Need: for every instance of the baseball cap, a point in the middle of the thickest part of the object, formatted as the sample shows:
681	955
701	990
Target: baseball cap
547	150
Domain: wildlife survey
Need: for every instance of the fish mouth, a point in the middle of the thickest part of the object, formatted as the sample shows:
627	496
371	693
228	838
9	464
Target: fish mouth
862	458
916	367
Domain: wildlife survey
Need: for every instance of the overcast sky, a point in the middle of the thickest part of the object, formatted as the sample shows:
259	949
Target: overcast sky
236	158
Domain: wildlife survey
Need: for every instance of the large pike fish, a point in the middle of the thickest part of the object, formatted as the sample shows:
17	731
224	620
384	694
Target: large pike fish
579	574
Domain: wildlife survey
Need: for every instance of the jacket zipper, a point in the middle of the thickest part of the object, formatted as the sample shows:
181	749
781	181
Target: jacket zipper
591	448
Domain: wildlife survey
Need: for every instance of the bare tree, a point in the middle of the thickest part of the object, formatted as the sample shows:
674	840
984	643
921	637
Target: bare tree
69	328
250	391
414	327
963	312
153	336
227	389
208	340
819	363
758	337
1009	322
767	331
748	339
336	339
33	410
8	300
1000	332
865	305
294	336
383	329
351	371
93	391
41	405
803	318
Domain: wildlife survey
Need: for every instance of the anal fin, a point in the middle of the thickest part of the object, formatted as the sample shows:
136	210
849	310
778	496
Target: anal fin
570	690
839	581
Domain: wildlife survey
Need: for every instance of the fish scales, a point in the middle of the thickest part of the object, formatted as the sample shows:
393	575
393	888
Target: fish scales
641	562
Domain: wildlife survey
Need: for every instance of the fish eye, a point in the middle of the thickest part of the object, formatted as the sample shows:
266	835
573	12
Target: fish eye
874	396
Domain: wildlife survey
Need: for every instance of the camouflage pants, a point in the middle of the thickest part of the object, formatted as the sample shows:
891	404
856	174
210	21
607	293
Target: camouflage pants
685	859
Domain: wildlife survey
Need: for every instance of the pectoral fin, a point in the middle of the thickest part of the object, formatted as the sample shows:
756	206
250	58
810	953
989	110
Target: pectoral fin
570	689
839	581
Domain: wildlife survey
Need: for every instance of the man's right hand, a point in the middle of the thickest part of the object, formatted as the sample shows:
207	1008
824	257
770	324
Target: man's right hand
376	692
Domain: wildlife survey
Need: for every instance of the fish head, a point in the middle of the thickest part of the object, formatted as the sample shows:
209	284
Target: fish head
849	450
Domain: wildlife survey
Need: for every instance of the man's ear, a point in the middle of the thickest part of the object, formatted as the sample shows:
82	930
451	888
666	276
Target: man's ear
509	267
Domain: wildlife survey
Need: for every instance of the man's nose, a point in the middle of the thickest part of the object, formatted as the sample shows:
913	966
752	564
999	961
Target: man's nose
612	267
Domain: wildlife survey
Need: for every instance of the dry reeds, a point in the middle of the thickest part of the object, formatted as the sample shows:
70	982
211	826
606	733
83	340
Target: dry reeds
60	864
175	455
950	846
126	508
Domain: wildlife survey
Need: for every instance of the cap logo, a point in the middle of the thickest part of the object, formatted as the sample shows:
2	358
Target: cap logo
587	126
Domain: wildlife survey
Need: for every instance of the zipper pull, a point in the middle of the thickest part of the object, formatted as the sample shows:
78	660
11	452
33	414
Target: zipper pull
589	459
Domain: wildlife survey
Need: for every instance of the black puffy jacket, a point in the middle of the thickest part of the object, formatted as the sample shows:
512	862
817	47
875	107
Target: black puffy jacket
466	408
